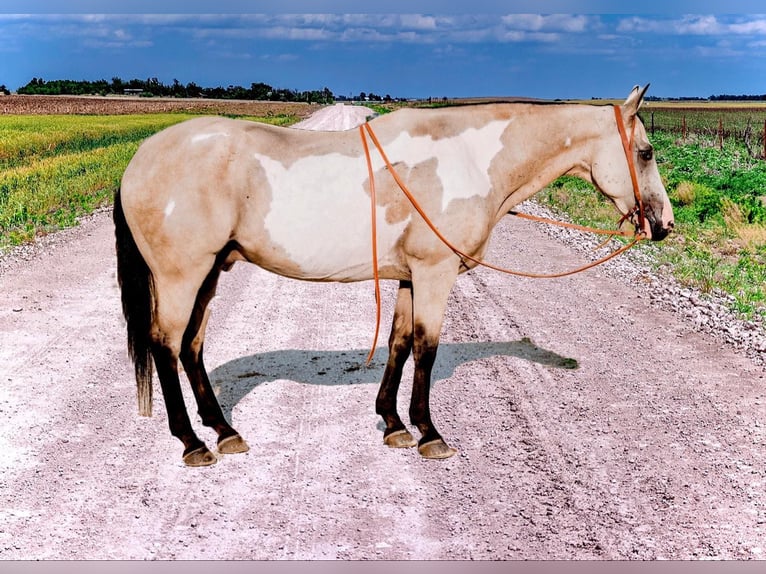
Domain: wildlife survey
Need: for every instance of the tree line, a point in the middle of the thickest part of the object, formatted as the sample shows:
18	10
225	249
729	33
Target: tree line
152	87
739	98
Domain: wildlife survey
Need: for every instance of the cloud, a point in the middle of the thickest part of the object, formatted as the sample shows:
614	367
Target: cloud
757	27
140	30
86	30
553	22
699	25
694	25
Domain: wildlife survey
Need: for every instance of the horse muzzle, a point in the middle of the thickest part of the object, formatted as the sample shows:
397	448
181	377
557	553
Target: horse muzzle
655	228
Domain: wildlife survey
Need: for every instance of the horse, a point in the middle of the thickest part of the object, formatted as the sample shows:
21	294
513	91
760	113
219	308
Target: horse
206	193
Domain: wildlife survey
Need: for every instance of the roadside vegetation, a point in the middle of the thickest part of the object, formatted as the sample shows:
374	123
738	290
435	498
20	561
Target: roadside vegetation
719	200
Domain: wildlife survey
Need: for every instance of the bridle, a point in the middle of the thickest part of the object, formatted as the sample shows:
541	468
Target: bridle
627	145
365	131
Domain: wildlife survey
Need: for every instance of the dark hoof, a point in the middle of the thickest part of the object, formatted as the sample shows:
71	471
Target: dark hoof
232	445
200	457
400	439
436	449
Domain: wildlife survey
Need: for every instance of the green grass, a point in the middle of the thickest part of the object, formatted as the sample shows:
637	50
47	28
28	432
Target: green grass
54	169
719	203
25	140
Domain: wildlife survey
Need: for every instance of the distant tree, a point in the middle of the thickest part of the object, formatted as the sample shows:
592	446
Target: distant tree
4	90
260	91
178	90
193	90
117	86
153	87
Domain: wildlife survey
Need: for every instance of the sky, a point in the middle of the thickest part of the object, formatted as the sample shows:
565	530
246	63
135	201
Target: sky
579	49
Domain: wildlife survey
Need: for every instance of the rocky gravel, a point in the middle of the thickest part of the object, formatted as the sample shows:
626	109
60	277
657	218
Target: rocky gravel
710	313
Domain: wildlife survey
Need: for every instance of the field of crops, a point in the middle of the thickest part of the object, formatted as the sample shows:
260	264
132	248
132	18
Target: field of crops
743	123
119	105
56	166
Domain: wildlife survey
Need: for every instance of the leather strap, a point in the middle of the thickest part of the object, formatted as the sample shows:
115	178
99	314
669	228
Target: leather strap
627	147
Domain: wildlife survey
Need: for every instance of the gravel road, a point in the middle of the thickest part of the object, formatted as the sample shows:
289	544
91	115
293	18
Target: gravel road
593	421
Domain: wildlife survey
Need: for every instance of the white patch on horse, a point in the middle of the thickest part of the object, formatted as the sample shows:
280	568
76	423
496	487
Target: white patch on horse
463	160
203	137
568	142
169	208
315	216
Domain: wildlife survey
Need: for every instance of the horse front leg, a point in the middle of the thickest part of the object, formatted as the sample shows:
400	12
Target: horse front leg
431	287
399	348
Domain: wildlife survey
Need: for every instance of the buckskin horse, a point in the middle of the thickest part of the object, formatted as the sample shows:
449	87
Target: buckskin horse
208	192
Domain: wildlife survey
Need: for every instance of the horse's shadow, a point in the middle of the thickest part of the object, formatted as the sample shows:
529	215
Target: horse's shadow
234	380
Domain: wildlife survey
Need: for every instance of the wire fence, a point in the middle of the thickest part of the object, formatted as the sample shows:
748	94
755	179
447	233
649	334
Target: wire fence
746	126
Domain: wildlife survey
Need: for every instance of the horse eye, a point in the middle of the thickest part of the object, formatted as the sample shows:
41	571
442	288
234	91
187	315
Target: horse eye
646	154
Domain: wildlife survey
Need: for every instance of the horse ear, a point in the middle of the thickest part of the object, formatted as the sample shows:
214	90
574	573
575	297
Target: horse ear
635	101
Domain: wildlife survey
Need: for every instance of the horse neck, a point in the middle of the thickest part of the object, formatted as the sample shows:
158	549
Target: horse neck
542	143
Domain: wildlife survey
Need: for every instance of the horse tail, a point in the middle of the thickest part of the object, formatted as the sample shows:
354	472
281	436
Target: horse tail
137	286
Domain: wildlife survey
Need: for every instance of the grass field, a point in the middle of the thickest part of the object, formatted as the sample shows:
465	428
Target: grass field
56	167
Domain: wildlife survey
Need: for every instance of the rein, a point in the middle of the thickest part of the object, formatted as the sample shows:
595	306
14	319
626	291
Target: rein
365	130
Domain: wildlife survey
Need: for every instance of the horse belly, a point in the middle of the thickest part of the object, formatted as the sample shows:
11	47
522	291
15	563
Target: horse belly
318	226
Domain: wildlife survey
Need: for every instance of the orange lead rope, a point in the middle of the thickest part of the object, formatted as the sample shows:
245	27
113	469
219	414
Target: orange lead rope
373	214
627	146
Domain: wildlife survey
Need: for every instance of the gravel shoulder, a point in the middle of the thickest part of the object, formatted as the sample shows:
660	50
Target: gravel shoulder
594	419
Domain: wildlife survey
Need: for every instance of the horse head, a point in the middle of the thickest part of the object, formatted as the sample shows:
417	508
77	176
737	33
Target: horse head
640	196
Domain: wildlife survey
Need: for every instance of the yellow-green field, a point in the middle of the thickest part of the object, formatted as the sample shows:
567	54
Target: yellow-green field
54	168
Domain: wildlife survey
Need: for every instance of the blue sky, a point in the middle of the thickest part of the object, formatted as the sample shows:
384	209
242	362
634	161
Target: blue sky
570	50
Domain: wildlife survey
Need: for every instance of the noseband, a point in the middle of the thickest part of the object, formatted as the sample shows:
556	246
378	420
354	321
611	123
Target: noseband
365	130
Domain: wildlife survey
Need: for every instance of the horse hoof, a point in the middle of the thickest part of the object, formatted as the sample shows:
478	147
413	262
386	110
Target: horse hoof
232	445
200	457
400	439
436	449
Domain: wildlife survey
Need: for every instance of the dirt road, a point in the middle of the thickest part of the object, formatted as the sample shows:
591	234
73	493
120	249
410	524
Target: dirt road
590	423
653	446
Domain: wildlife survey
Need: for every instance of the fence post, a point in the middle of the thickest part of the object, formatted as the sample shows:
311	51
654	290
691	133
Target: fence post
720	133
652	123
683	130
764	139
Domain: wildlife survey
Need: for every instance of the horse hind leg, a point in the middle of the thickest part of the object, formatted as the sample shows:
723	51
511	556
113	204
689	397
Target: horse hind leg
195	452
399	348
209	410
175	304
